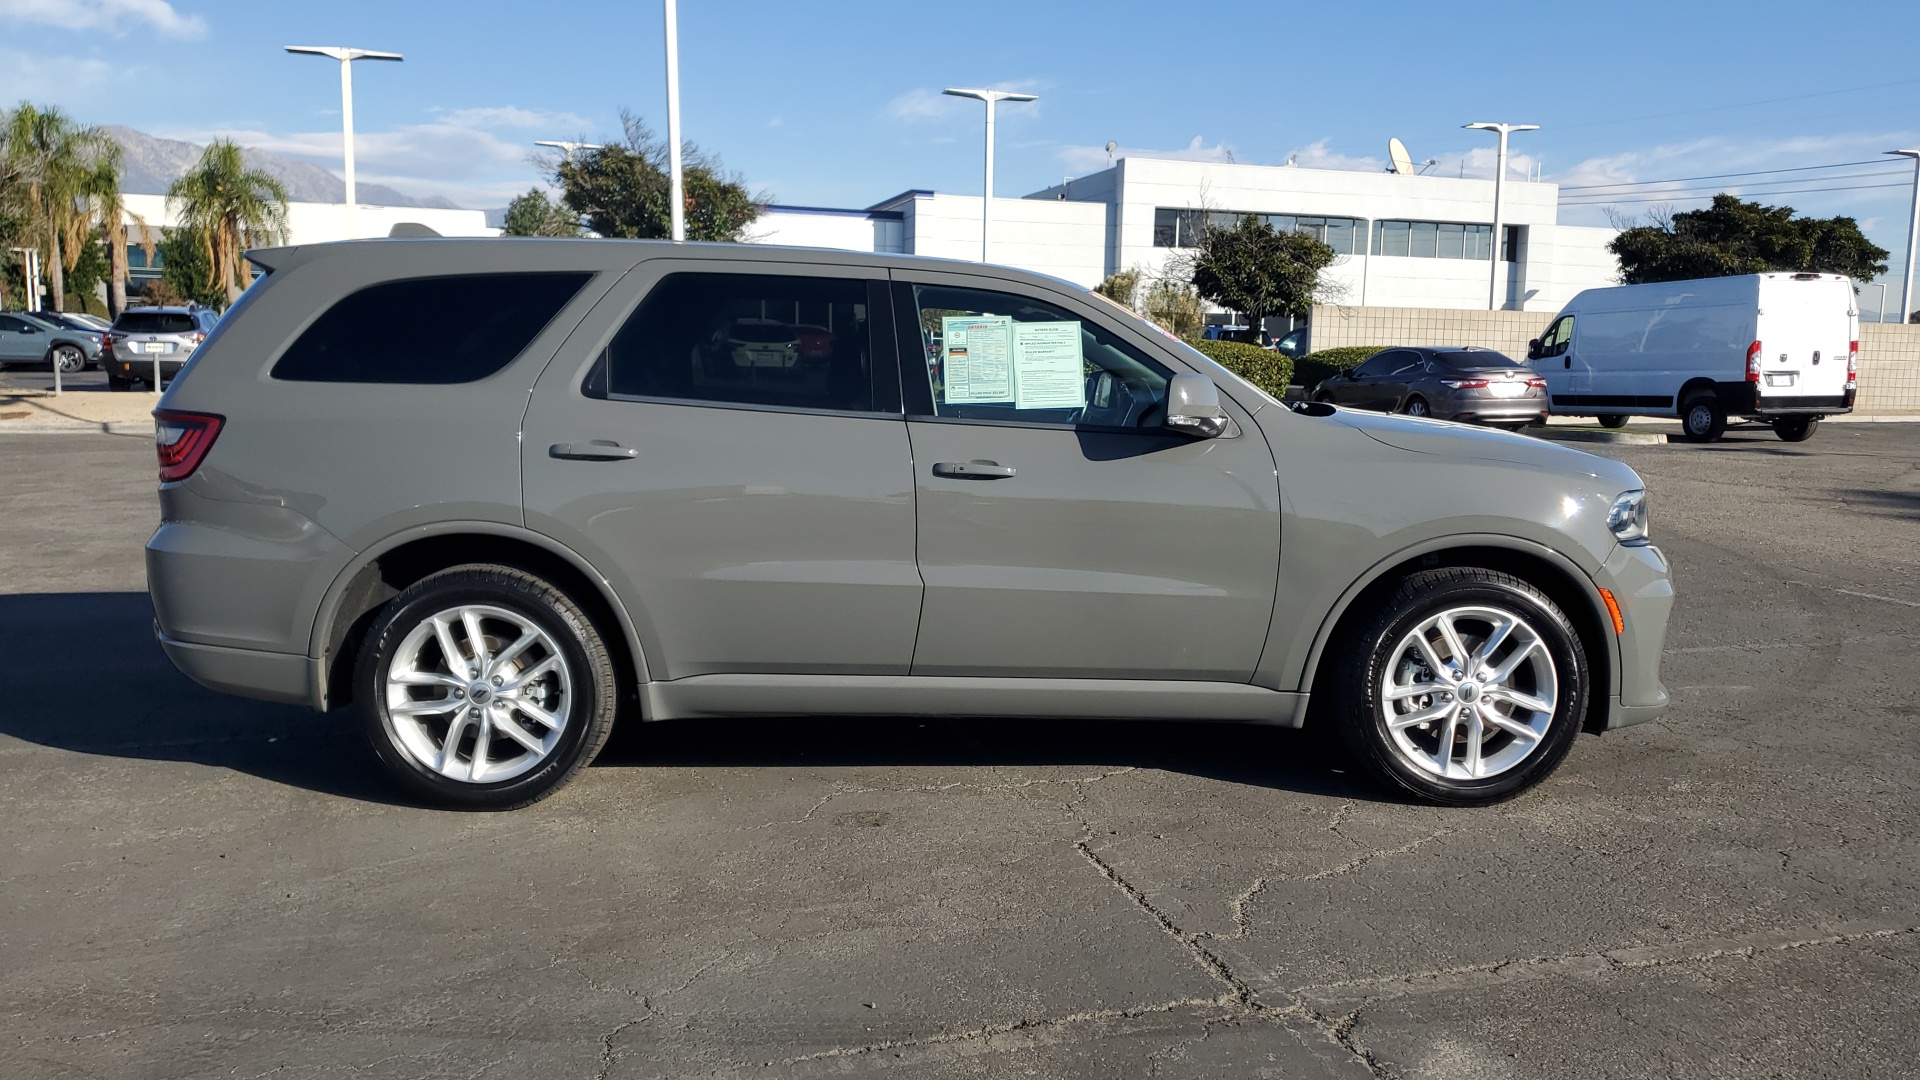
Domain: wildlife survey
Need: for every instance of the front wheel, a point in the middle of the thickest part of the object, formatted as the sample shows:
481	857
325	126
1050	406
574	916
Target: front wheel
484	687
1466	688
1796	428
1614	422
66	359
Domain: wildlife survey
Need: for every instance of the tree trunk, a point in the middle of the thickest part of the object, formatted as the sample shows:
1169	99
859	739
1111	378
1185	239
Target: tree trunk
117	269
229	255
56	272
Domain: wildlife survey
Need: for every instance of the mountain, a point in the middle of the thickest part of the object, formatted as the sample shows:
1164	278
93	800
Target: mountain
151	164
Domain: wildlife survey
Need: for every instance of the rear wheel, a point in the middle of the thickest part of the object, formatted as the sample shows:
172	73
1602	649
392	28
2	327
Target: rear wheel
1796	428
118	382
1416	406
1468	687
484	687
1702	418
1614	422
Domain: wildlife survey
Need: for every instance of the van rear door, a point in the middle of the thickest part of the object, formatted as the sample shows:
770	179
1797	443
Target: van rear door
1807	325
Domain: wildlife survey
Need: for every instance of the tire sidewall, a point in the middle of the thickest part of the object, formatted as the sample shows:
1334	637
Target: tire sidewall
1366	722
591	688
1417	406
1697	407
1796	430
60	352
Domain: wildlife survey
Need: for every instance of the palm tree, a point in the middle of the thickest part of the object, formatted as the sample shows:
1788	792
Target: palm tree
54	160
102	193
232	208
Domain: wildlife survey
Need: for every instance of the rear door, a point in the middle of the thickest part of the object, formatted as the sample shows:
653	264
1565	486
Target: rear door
755	517
1807	325
1063	532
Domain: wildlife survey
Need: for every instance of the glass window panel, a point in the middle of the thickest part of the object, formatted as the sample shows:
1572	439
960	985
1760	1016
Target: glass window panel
1340	235
1166	228
1425	239
1394	237
1452	241
1476	246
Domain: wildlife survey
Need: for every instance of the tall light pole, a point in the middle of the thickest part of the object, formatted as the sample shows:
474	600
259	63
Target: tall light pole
1499	188
346	57
986	202
1913	235
676	185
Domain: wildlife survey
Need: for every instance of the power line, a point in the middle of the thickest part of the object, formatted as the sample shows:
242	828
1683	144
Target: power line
1756	186
1722	176
1739	105
1603	201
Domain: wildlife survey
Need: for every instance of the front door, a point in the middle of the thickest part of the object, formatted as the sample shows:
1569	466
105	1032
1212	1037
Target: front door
724	442
19	341
1063	532
1568	382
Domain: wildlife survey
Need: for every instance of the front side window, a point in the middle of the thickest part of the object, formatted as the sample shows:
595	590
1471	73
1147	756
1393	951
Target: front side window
1558	335
1003	356
746	339
434	330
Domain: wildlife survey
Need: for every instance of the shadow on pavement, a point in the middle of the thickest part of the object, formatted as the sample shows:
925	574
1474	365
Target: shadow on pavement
120	697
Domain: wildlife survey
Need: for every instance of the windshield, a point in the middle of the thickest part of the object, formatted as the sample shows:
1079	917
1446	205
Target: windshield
1479	358
156	322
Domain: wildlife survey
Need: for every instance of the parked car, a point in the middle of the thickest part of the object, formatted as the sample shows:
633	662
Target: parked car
1295	343
38	338
761	343
1778	349
1471	385
1243	334
140	336
523	507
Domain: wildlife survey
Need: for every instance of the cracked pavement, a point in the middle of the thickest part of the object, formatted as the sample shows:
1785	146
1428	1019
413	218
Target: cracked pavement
195	886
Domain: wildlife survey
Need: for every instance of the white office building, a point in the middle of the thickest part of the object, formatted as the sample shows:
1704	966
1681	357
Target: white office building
1400	241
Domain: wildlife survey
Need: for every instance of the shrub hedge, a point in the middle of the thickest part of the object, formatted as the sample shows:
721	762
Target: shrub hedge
1265	369
1315	366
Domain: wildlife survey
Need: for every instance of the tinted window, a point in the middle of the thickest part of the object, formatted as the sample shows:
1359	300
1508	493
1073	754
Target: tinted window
428	330
9	323
1001	356
156	322
1479	358
749	339
1385	363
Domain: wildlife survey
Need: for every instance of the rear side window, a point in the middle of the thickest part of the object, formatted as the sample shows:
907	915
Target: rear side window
435	330
746	339
156	322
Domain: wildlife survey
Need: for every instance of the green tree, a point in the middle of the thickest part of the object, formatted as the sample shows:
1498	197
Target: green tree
1736	237
1121	288
51	161
229	208
1256	270
109	214
1174	306
90	268
533	214
186	271
622	189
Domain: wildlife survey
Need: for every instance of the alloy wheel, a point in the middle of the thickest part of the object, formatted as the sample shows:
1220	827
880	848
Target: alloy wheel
1469	693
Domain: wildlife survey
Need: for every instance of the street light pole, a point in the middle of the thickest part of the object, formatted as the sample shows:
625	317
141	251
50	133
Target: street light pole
1499	188
986	201
676	185
347	56
1913	235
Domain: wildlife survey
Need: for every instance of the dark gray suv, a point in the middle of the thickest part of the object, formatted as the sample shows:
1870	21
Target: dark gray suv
592	481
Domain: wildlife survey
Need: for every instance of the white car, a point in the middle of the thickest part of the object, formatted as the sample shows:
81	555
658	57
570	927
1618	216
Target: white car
763	343
1775	348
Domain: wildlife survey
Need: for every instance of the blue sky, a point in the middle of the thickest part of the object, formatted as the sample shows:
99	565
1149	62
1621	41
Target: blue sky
838	103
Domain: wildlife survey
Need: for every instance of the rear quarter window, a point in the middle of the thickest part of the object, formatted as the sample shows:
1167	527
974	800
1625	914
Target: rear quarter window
435	330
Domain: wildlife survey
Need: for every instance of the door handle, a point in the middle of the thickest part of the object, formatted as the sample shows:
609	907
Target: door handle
597	450
972	470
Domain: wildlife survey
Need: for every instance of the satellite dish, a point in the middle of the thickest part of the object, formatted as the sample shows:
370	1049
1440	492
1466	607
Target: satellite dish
1402	161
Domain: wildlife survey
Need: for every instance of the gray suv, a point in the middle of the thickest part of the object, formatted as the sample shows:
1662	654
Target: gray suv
154	343
575	491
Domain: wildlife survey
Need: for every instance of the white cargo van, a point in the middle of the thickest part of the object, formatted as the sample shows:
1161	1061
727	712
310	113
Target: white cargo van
1777	348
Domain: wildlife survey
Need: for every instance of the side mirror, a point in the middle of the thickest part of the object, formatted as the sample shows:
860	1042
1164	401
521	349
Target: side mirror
1193	408
1533	349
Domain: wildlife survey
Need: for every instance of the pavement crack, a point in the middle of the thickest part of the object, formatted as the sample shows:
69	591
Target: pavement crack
1359	861
988	1031
1238	993
1341	1031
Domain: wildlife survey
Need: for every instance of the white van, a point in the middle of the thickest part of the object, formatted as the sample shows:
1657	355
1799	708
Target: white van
1777	348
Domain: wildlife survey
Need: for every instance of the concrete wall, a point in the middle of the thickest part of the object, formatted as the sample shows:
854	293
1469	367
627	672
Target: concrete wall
849	230
1889	362
1048	236
1889	368
315	223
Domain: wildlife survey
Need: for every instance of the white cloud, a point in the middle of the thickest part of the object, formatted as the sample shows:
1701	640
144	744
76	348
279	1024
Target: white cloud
113	16
922	104
1315	155
1086	159
28	75
513	117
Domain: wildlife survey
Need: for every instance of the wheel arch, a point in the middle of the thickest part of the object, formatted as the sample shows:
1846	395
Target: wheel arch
1688	388
1554	574
383	570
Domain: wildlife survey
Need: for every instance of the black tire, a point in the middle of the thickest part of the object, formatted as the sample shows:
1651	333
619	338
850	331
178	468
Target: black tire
1795	428
1416	406
67	359
588	712
118	383
1702	418
1614	422
1364	656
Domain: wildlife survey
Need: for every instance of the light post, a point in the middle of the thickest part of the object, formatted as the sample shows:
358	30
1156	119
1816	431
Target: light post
346	57
1499	187
1880	309
1913	235
676	185
986	201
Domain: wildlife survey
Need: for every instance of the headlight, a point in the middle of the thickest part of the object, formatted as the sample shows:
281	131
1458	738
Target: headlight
1627	518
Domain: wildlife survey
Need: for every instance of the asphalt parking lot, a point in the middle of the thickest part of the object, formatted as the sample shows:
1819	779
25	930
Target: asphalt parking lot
194	885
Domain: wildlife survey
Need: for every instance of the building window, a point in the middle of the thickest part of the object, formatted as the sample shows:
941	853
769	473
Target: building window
1182	228
1513	247
1432	239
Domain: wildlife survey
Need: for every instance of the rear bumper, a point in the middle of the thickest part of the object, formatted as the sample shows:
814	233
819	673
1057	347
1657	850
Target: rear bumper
1746	399
142	367
250	673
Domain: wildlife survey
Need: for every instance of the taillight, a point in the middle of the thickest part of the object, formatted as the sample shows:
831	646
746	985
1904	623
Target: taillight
1463	384
1753	363
182	440
1853	361
1537	383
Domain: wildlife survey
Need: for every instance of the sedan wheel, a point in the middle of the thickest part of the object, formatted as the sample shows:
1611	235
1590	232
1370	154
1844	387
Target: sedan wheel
485	687
67	359
1416	406
1467	688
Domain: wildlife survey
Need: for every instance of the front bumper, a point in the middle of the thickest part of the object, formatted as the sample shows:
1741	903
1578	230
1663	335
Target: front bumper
1639	578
